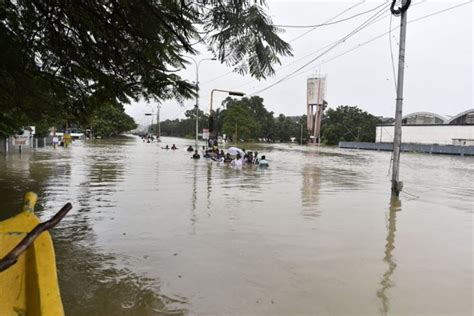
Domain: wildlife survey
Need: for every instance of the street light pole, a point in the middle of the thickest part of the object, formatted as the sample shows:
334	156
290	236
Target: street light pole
301	134
231	93
196	107
158	134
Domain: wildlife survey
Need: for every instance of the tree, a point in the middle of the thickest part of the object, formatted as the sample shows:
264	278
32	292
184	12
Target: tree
111	120
255	109
348	123
247	116
66	58
185	127
239	123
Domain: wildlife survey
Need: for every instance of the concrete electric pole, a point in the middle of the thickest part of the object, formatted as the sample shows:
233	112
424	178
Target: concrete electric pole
397	140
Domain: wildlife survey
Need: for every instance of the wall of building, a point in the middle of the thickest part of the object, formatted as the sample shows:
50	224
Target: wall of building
428	134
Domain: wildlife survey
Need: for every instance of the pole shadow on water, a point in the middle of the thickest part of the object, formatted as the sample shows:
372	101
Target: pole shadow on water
386	283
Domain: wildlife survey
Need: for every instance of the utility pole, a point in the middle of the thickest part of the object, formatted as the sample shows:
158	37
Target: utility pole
196	106
397	140
150	129
301	134
158	134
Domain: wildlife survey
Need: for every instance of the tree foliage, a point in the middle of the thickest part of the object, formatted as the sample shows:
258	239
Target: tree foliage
64	59
111	120
239	122
185	127
348	123
247	117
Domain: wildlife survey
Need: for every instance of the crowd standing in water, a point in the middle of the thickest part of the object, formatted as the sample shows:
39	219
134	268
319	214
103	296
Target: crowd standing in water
242	158
148	138
213	153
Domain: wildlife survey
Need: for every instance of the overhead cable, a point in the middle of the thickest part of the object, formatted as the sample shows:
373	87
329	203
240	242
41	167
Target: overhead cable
294	74
329	23
296	38
340	41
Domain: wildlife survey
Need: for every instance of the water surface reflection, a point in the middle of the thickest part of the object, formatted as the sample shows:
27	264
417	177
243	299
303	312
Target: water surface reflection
153	232
386	282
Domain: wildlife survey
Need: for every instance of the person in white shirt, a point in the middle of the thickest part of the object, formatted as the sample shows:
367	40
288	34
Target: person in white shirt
263	162
237	162
255	158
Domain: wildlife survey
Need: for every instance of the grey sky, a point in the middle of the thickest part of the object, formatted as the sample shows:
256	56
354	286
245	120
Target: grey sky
438	75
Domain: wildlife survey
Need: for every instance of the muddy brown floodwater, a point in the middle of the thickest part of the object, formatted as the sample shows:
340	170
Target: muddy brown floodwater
153	232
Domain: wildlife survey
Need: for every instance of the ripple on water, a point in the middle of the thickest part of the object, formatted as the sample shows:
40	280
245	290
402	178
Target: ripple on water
251	241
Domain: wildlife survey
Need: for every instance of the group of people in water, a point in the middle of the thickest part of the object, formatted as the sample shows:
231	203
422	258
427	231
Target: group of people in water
238	160
148	138
248	158
172	147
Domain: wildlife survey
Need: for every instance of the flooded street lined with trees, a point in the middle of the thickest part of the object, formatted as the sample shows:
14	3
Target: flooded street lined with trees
104	109
154	232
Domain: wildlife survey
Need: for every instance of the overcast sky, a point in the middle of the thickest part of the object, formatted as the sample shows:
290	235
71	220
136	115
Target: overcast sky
438	74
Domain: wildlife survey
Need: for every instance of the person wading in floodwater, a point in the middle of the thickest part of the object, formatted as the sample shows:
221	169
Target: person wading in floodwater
237	162
263	162
196	155
227	158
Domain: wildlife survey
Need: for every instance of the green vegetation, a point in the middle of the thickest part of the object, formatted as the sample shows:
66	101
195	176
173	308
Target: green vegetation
348	123
185	127
249	118
246	118
111	120
62	60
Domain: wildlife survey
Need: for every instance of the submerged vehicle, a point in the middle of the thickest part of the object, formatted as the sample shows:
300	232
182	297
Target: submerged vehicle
28	278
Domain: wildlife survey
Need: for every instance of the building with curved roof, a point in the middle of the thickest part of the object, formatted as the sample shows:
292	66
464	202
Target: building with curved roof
466	117
420	118
432	128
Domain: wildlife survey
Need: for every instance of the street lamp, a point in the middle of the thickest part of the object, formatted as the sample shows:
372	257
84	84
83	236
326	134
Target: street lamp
232	93
301	133
149	114
197	63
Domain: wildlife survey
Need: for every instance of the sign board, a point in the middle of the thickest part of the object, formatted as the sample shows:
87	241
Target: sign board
20	141
205	133
316	90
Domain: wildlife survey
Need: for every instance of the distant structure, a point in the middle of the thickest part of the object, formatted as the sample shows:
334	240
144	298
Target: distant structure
419	118
432	128
315	102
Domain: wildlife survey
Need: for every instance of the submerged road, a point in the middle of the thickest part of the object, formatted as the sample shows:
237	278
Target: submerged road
154	232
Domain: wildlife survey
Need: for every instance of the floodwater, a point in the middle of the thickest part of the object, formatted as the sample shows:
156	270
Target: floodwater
153	232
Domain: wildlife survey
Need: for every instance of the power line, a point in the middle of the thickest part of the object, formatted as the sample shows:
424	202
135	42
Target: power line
327	21
393	29
342	40
296	38
391	52
294	74
320	49
305	56
330	23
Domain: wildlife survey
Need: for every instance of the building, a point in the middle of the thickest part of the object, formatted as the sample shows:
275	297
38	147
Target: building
432	128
